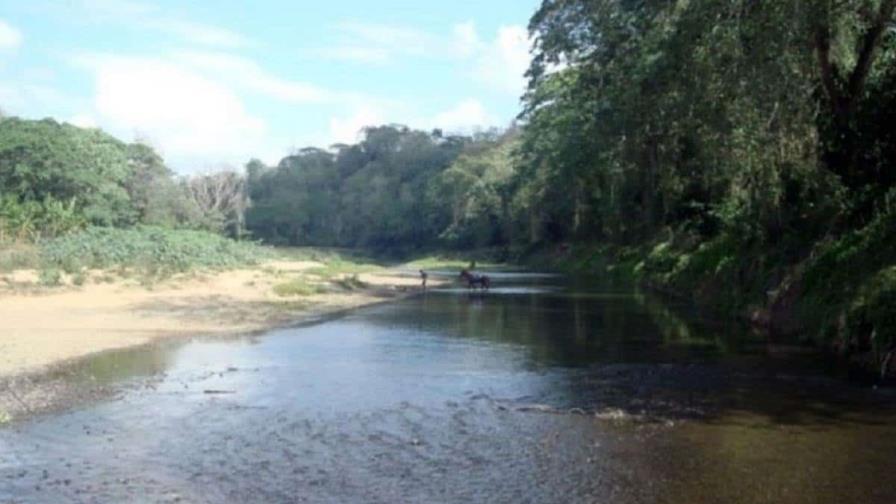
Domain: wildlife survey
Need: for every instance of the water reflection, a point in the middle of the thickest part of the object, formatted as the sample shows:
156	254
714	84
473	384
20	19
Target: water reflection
118	365
563	328
538	391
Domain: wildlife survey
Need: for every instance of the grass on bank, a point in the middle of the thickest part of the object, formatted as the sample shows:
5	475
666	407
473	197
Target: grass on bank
298	287
449	262
309	285
340	261
340	268
335	262
150	253
19	255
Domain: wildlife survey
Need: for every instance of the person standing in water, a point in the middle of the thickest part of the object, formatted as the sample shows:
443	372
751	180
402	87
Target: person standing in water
424	276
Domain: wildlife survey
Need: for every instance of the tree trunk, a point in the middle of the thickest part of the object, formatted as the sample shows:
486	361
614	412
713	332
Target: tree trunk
844	92
648	200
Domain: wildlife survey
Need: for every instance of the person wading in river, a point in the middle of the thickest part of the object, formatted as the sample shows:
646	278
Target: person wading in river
423	277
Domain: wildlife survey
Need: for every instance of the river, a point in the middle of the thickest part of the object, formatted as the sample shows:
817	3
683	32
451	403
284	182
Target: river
543	390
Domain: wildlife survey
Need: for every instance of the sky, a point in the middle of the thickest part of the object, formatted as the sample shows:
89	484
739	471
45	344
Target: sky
214	83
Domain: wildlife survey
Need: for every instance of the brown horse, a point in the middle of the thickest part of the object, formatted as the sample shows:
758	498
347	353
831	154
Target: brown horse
473	280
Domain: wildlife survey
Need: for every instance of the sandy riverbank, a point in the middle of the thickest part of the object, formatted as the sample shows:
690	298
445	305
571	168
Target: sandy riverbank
46	331
42	327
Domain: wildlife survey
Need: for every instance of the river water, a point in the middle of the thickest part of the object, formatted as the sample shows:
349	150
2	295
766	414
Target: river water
541	391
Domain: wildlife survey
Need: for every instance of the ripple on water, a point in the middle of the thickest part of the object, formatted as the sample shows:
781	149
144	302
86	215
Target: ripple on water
545	397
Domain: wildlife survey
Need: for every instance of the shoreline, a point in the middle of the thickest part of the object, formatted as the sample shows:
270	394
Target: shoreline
47	377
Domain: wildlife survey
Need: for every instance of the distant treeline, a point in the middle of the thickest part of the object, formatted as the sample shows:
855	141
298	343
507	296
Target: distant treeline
396	189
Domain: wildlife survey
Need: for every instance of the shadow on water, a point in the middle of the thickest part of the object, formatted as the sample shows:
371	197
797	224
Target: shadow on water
540	390
618	347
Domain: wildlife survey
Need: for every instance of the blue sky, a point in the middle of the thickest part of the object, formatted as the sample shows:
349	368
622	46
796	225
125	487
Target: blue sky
210	83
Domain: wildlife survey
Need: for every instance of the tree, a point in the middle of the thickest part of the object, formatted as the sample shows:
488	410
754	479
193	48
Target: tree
221	200
371	194
472	196
698	114
154	194
849	38
42	160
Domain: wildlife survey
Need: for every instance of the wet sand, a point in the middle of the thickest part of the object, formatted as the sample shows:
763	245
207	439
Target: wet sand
43	327
45	332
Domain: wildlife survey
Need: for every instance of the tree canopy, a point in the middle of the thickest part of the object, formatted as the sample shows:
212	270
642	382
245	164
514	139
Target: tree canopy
57	177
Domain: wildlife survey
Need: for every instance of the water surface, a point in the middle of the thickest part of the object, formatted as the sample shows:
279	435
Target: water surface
538	391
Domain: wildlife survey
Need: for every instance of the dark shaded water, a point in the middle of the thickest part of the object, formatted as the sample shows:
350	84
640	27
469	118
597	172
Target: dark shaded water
534	392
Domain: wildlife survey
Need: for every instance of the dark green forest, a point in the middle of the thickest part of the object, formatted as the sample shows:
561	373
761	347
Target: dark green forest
738	153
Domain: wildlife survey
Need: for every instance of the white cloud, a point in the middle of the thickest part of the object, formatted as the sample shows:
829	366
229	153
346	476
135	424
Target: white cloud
362	42
464	117
348	129
502	64
397	39
201	34
190	104
83	121
499	63
150	17
466	41
21	97
247	74
39	74
10	36
376	43
357	54
187	114
117	8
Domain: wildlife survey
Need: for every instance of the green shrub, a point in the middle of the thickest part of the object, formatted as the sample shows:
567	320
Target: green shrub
298	287
873	311
351	283
153	251
33	220
336	267
849	286
15	256
50	277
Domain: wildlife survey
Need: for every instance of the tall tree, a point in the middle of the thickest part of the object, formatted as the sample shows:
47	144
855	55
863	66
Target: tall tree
45	159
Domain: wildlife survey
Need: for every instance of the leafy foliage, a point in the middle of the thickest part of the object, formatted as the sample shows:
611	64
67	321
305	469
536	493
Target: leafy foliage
387	192
32	220
853	277
44	161
58	178
19	255
740	151
298	287
154	251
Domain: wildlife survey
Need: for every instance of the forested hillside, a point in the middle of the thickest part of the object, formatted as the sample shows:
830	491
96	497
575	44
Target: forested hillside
396	190
739	153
